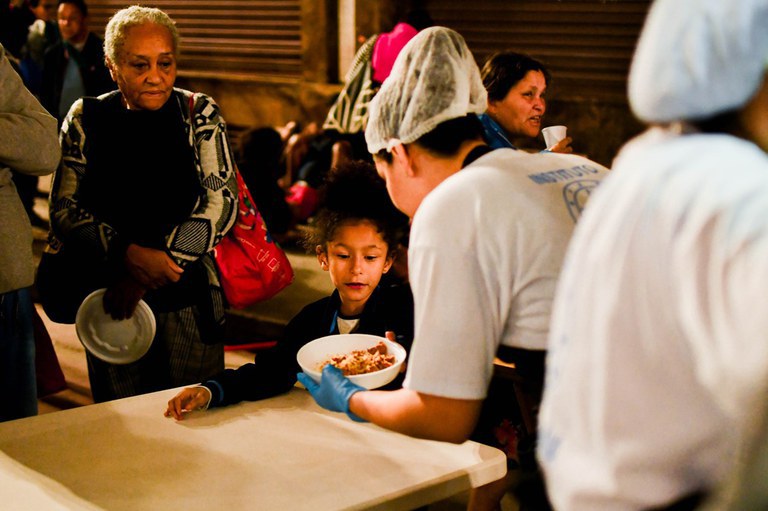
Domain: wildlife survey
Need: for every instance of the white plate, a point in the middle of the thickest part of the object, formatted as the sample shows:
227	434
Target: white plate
312	354
116	342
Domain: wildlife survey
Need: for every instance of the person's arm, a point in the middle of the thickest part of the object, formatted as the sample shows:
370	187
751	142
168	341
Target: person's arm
151	267
216	212
29	142
272	373
75	225
70	222
405	411
418	415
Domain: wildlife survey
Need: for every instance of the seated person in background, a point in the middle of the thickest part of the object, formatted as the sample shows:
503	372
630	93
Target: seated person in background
43	34
370	67
658	357
342	137
356	231
516	86
259	163
490	230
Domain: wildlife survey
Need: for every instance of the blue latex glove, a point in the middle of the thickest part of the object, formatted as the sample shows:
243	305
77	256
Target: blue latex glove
333	391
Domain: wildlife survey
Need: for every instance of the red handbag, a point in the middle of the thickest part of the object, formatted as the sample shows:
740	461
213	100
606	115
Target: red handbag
251	265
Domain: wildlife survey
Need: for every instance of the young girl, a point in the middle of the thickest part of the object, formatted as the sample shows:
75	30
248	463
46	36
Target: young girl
356	235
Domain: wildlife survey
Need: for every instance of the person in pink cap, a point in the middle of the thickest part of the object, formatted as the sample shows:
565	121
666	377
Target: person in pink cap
342	138
388	45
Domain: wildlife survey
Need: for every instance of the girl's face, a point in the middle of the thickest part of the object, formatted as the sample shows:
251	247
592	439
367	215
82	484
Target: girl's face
147	69
520	112
356	258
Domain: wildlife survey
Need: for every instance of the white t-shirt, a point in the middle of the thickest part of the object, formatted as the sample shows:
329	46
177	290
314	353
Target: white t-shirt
485	252
659	330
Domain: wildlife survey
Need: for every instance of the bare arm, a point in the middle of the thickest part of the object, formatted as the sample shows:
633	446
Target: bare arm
418	415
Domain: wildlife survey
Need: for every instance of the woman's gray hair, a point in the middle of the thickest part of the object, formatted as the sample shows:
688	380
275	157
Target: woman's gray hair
114	35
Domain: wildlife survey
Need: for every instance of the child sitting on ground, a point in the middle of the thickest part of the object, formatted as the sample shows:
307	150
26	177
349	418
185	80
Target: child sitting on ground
356	234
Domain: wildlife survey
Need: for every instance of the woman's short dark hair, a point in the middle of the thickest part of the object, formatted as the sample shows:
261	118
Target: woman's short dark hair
503	70
351	193
447	137
80	4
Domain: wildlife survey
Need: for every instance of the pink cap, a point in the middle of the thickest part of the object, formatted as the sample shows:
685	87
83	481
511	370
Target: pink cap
387	48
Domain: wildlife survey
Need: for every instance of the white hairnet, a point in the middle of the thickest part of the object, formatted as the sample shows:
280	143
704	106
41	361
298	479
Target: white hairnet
434	79
698	58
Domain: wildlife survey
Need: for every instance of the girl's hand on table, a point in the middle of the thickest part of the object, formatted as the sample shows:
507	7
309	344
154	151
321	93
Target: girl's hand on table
188	400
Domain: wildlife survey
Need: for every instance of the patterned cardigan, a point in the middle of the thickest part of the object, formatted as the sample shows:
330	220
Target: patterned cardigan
213	215
193	239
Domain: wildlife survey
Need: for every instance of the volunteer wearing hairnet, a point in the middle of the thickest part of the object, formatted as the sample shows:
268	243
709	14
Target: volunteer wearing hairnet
486	242
658	346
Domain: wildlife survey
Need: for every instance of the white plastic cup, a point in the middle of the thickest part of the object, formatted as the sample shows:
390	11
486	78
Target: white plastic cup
553	135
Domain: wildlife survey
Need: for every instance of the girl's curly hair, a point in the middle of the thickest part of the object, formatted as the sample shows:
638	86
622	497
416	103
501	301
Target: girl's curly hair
351	193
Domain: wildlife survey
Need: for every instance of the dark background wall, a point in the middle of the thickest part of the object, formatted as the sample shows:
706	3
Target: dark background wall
267	62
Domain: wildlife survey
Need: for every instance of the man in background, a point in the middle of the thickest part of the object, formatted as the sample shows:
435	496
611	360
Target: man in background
74	67
43	34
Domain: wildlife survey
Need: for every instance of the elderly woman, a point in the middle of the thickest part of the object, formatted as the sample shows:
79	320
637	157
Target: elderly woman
516	86
144	192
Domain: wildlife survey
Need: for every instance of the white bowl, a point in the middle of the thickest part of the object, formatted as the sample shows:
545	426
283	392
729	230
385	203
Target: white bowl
113	341
312	354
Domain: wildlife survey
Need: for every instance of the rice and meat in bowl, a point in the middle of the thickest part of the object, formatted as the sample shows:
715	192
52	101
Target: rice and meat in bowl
363	361
383	367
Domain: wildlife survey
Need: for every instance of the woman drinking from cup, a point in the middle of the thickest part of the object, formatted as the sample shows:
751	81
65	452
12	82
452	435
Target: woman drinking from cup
516	86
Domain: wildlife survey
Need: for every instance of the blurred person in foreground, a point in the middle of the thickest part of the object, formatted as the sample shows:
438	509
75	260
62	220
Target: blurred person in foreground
490	229
658	354
28	145
145	191
517	86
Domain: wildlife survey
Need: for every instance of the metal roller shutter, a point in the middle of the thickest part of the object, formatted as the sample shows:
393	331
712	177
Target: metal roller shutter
586	44
247	38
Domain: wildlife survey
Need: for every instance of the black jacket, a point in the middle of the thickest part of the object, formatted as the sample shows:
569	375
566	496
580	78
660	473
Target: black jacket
274	371
96	77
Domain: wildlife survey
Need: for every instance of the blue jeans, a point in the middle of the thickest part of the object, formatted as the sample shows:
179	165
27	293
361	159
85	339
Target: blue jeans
17	355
